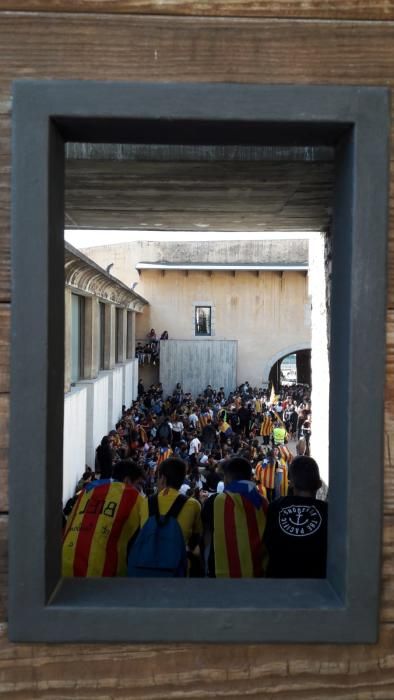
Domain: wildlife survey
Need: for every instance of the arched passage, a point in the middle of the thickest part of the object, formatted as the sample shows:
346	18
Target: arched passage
271	371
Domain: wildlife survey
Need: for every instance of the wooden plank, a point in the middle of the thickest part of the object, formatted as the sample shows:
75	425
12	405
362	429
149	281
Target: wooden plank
387	600
140	48
300	9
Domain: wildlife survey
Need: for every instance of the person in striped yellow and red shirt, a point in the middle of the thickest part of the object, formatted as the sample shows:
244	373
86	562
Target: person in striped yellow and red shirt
234	523
274	475
258	478
266	427
105	519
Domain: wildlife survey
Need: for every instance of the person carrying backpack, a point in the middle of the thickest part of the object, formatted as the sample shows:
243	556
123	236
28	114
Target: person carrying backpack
164	431
170	527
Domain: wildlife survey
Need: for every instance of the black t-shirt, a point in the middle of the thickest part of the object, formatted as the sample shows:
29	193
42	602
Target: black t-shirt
208	433
296	538
212	479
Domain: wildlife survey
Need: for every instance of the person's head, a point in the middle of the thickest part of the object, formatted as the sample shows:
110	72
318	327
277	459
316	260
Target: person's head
237	469
172	473
128	471
304	475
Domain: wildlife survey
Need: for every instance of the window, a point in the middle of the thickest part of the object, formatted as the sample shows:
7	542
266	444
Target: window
342	608
77	337
202	320
101	335
118	335
130	352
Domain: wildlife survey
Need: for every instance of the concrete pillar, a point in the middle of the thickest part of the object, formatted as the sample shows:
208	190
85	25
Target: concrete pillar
67	339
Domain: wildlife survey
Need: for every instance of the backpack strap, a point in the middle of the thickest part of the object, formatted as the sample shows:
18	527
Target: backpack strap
153	505
177	506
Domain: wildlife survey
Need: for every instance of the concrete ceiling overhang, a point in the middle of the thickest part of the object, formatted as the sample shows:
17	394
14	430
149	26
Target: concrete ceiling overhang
199	187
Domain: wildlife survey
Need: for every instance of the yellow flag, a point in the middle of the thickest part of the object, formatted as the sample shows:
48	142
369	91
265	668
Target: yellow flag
273	394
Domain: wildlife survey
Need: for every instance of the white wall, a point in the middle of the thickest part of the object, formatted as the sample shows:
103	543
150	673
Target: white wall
320	357
129	386
135	381
74	442
91	410
96	413
115	395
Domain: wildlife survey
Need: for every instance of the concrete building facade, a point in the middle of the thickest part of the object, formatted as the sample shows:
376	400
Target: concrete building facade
256	292
101	372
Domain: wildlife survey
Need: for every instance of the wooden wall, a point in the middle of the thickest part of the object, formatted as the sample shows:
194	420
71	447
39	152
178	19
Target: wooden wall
261	41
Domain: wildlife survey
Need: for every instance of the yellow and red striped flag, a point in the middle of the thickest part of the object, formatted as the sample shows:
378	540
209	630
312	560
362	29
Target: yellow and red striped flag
238	535
99	528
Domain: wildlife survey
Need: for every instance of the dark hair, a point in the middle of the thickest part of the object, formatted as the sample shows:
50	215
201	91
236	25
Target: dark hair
103	461
237	468
126	468
304	474
174	471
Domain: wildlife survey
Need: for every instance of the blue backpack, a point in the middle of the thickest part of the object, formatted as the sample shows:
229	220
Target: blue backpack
159	549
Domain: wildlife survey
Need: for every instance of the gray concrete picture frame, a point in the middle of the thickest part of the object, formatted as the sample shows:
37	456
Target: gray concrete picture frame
344	607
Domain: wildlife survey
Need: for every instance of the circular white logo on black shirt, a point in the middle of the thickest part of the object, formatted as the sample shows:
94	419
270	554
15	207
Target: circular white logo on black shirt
299	521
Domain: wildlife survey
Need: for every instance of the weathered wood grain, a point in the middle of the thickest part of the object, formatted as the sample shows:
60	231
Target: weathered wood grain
300	9
140	48
245	50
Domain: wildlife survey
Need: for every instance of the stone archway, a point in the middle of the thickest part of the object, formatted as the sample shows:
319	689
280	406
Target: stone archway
281	354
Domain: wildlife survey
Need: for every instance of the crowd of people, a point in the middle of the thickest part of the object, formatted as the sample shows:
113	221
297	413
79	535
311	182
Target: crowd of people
201	486
148	352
